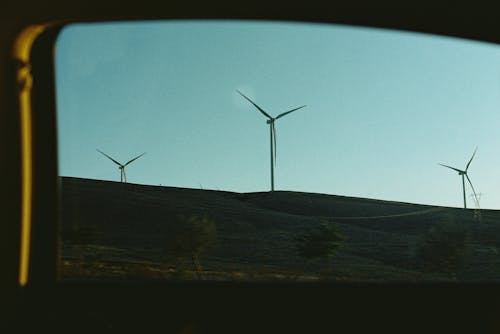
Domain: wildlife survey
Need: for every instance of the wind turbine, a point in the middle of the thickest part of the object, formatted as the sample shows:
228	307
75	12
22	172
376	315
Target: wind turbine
272	131
464	175
123	176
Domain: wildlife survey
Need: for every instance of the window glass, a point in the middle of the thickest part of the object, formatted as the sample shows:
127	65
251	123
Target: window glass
257	151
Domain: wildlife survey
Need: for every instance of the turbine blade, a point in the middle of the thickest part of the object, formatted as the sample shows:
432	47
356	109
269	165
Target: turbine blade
116	162
274	141
255	105
473	154
137	157
456	169
286	113
473	190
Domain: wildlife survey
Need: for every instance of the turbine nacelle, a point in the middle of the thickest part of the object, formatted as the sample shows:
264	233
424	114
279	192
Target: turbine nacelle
269	121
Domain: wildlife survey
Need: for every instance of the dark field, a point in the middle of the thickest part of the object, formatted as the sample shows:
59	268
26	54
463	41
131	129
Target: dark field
125	231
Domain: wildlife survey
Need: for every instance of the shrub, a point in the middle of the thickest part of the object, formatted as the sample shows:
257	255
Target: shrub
321	241
189	238
443	248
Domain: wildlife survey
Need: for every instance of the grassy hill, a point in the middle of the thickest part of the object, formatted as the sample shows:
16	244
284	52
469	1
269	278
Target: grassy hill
114	230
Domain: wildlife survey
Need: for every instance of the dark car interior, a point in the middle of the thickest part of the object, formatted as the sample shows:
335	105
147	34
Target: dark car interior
37	299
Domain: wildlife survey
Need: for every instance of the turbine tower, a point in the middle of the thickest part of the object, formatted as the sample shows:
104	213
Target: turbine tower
272	132
464	175
123	176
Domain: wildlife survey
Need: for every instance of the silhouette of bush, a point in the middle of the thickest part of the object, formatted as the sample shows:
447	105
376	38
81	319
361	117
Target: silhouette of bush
321	241
188	239
443	248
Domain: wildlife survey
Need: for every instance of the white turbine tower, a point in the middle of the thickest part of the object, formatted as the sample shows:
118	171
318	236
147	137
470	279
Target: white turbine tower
123	176
272	131
464	175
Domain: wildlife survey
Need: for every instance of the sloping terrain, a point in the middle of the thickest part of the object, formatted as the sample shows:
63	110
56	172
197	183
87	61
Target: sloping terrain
122	230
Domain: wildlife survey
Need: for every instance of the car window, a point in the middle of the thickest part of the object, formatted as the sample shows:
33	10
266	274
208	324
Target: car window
276	151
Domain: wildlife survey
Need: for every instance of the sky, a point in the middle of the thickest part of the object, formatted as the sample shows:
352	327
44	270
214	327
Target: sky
383	108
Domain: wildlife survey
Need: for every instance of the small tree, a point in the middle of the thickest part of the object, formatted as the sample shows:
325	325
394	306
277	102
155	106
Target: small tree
443	247
321	241
190	237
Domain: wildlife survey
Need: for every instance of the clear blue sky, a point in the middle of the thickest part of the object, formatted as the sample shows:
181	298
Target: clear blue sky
383	108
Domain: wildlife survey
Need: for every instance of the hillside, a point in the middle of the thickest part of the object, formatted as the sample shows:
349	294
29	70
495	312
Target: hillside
122	230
